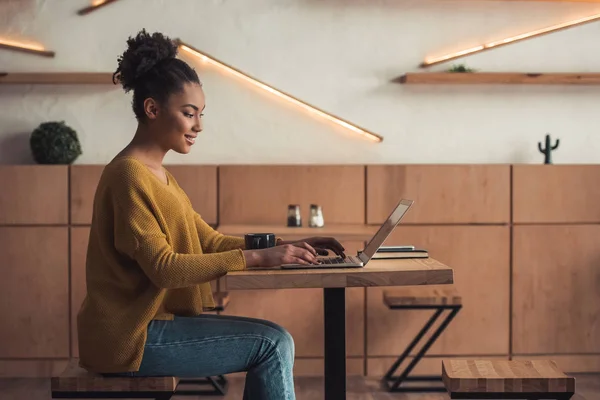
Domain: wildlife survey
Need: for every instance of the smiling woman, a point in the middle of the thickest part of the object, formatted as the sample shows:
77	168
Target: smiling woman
151	256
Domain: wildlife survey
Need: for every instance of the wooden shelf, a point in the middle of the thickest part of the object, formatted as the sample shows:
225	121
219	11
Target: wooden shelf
339	231
500	78
56	78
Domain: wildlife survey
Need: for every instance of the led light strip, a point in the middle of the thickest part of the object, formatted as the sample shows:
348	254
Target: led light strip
312	109
96	4
25	47
528	35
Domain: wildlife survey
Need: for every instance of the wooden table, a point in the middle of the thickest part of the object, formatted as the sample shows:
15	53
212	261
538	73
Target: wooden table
424	271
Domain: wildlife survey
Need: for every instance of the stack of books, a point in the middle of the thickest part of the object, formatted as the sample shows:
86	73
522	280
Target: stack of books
392	252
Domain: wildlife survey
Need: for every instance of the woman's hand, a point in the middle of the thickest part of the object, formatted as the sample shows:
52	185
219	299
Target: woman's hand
320	244
282	254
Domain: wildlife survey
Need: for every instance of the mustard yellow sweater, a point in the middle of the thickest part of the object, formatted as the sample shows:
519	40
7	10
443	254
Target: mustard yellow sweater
150	256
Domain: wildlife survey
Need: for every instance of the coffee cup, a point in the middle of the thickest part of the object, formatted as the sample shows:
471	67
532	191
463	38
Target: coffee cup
259	240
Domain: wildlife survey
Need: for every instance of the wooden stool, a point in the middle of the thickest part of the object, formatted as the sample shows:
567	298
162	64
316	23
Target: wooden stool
77	383
503	379
438	298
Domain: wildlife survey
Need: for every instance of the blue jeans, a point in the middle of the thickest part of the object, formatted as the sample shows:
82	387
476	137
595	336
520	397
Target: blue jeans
209	345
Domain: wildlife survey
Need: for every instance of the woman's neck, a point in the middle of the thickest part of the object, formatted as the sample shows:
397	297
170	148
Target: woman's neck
142	147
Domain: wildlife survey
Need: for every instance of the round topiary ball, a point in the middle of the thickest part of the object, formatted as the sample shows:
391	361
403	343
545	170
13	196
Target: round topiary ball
54	143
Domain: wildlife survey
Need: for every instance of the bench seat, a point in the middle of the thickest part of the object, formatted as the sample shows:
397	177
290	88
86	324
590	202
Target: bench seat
77	383
504	379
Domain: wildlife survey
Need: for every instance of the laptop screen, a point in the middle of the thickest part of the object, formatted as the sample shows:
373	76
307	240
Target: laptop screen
388	226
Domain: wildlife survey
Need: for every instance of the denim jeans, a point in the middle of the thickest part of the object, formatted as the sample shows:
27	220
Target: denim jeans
209	345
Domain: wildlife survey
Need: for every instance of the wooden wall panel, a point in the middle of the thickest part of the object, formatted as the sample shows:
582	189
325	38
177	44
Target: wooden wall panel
35	292
479	256
556	193
300	311
556	289
79	243
34	194
200	184
84	180
443	194
261	194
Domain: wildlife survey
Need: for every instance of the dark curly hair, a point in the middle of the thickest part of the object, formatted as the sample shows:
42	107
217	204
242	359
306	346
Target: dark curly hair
150	68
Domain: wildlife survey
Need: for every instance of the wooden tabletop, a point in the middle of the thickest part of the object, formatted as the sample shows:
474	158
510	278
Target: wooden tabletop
401	272
339	231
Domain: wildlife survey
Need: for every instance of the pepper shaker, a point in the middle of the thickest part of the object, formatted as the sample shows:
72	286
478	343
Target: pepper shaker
294	219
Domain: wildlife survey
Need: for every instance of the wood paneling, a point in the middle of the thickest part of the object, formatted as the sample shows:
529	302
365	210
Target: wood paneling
261	194
79	243
32	368
200	184
34	194
479	256
300	311
84	180
556	289
443	194
35	292
556	193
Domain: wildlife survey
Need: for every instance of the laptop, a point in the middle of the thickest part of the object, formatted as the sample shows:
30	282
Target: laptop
363	258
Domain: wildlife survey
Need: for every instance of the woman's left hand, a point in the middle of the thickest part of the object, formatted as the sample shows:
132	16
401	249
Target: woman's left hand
319	244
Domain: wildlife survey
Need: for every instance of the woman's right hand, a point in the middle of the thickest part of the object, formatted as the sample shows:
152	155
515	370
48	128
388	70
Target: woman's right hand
278	255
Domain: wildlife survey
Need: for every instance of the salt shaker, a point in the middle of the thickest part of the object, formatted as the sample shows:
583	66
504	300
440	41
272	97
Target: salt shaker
316	216
294	219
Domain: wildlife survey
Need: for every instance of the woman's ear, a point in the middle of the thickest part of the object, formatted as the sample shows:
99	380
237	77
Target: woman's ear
150	108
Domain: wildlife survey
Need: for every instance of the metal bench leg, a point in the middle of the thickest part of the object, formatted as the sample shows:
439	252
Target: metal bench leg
403	377
219	384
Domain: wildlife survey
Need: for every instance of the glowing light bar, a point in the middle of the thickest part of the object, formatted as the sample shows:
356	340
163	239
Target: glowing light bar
307	107
528	35
25	47
96	4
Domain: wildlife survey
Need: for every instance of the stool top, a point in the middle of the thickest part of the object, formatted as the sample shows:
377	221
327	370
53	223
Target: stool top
76	379
504	376
425	295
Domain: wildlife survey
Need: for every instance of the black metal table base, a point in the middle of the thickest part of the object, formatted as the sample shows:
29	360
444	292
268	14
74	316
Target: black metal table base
219	386
335	343
393	382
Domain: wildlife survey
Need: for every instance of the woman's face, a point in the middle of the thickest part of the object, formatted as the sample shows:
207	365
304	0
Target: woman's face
177	123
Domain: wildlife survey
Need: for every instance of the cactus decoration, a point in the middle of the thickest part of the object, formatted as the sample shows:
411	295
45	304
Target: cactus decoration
547	151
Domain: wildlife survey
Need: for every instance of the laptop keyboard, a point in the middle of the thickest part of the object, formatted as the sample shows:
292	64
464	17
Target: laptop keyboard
331	260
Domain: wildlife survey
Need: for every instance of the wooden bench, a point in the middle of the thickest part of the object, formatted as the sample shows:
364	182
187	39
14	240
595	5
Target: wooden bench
439	298
504	379
77	383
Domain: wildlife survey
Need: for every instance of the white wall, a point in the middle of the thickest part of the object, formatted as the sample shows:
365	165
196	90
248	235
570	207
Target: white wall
339	55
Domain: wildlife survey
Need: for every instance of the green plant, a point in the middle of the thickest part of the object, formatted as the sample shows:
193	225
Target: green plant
54	143
547	151
460	68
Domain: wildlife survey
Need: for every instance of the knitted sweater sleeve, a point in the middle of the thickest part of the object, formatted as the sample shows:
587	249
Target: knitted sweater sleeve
215	242
139	236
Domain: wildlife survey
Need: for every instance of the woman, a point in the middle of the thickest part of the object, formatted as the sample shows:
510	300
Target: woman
151	257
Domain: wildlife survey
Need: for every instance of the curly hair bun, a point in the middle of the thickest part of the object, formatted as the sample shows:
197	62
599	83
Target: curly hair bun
144	52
